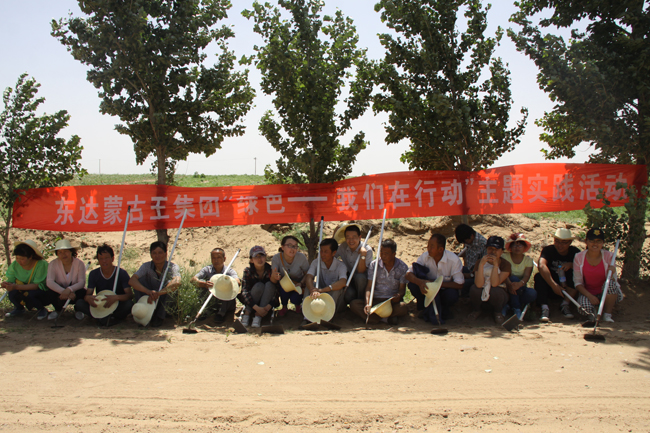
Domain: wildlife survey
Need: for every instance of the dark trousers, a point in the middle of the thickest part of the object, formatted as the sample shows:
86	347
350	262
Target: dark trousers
59	303
123	309
285	297
498	298
544	290
525	295
30	298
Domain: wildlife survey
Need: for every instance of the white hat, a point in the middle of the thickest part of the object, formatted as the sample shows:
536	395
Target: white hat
143	310
63	244
339	234
321	308
432	290
224	287
563	234
383	309
99	312
287	284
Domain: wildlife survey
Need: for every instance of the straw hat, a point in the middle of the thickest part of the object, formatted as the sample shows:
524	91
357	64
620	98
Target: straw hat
563	234
287	284
339	234
383	309
99	312
321	308
224	287
142	311
432	290
518	237
33	245
63	244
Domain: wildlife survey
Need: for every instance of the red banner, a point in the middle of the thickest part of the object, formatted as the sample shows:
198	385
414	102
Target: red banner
525	188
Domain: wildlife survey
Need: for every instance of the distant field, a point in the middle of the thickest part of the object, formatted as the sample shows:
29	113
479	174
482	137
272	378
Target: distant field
196	180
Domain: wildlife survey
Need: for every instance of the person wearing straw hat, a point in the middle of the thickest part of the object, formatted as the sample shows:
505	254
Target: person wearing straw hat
258	293
333	274
522	268
106	308
146	281
349	238
590	273
290	261
434	262
390	285
66	277
489	286
202	280
556	273
26	279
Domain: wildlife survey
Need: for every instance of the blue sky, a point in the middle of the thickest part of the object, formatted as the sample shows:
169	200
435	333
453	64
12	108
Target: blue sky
28	47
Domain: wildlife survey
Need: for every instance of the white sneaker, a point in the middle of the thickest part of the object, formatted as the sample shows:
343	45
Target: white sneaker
246	320
545	313
53	315
607	318
257	322
79	315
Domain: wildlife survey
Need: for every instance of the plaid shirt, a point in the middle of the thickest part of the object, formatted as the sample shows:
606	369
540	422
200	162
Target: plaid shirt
475	251
251	278
388	283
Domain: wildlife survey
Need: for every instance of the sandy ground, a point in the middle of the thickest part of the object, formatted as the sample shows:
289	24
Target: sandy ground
478	377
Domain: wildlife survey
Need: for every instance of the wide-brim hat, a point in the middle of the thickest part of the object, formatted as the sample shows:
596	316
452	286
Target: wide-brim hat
224	287
321	308
563	234
518	237
287	284
383	309
63	244
432	290
143	311
339	234
31	244
99	312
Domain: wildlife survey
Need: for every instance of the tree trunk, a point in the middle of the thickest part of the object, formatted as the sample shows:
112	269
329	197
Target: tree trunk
311	241
636	236
5	236
162	180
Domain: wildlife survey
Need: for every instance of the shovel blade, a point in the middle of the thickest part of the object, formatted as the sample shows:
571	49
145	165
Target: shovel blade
512	323
310	326
190	331
273	329
594	337
330	325
439	331
239	327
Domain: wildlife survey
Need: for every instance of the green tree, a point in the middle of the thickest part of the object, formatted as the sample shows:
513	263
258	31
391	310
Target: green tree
600	84
306	65
31	154
147	59
436	87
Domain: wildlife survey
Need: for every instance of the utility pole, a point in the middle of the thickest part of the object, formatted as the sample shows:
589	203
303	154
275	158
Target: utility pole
255	158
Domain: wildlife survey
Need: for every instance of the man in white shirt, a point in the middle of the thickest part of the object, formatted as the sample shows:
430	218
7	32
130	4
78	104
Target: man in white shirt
438	261
332	274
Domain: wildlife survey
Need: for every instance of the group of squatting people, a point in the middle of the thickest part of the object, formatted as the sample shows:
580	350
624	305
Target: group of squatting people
492	273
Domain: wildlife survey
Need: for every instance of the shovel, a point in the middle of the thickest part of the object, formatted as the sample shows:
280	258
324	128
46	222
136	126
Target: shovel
438	331
271	328
55	326
514	321
239	327
593	336
589	323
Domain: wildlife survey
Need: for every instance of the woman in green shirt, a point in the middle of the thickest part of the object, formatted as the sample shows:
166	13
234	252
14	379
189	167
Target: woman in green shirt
26	277
522	269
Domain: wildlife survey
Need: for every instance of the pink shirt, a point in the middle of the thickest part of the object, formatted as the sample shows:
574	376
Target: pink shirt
594	277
